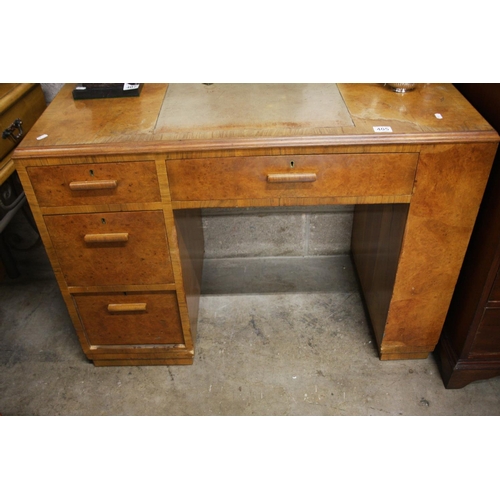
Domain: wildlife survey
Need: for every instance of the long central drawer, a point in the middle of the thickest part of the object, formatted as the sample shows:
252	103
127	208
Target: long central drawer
292	176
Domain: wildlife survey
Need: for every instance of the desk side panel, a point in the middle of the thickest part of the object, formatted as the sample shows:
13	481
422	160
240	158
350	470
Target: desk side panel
189	229
377	235
449	185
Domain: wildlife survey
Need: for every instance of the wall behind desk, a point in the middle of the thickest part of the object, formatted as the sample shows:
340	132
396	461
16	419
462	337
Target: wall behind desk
277	232
50	90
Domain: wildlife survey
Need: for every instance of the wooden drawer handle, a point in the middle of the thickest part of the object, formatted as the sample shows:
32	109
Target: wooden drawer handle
298	177
106	238
89	185
118	308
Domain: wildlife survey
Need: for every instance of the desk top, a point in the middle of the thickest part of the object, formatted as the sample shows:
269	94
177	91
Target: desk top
182	117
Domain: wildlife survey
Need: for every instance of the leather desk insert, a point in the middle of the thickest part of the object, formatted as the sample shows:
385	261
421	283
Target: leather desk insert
235	108
116	188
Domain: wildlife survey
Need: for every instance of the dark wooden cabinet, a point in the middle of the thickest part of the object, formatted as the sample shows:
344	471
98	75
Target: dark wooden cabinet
469	347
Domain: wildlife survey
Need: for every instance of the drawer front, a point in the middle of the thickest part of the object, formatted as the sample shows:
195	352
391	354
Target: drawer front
117	248
292	176
27	108
487	339
130	319
69	185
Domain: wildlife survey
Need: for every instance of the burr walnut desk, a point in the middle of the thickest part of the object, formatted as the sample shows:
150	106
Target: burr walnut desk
116	187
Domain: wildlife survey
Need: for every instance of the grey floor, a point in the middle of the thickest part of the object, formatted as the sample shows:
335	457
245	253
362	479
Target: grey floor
297	344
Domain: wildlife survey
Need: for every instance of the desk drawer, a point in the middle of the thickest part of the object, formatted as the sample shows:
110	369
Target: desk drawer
21	101
130	319
99	183
292	176
116	248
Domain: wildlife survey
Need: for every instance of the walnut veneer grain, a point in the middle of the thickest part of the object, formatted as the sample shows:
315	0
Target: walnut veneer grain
69	185
335	175
157	322
142	257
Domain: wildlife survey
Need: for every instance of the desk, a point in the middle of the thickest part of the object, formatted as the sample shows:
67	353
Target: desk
116	187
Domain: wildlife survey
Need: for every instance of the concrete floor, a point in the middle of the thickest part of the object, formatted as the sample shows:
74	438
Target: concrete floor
286	348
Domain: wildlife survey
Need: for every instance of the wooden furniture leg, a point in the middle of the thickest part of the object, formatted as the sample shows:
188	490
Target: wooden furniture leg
449	185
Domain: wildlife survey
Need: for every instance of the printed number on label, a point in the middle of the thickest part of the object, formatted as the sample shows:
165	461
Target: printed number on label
382	129
130	86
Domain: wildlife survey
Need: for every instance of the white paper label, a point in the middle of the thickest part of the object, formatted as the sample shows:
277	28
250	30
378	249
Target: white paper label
40	137
130	86
382	129
438	116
